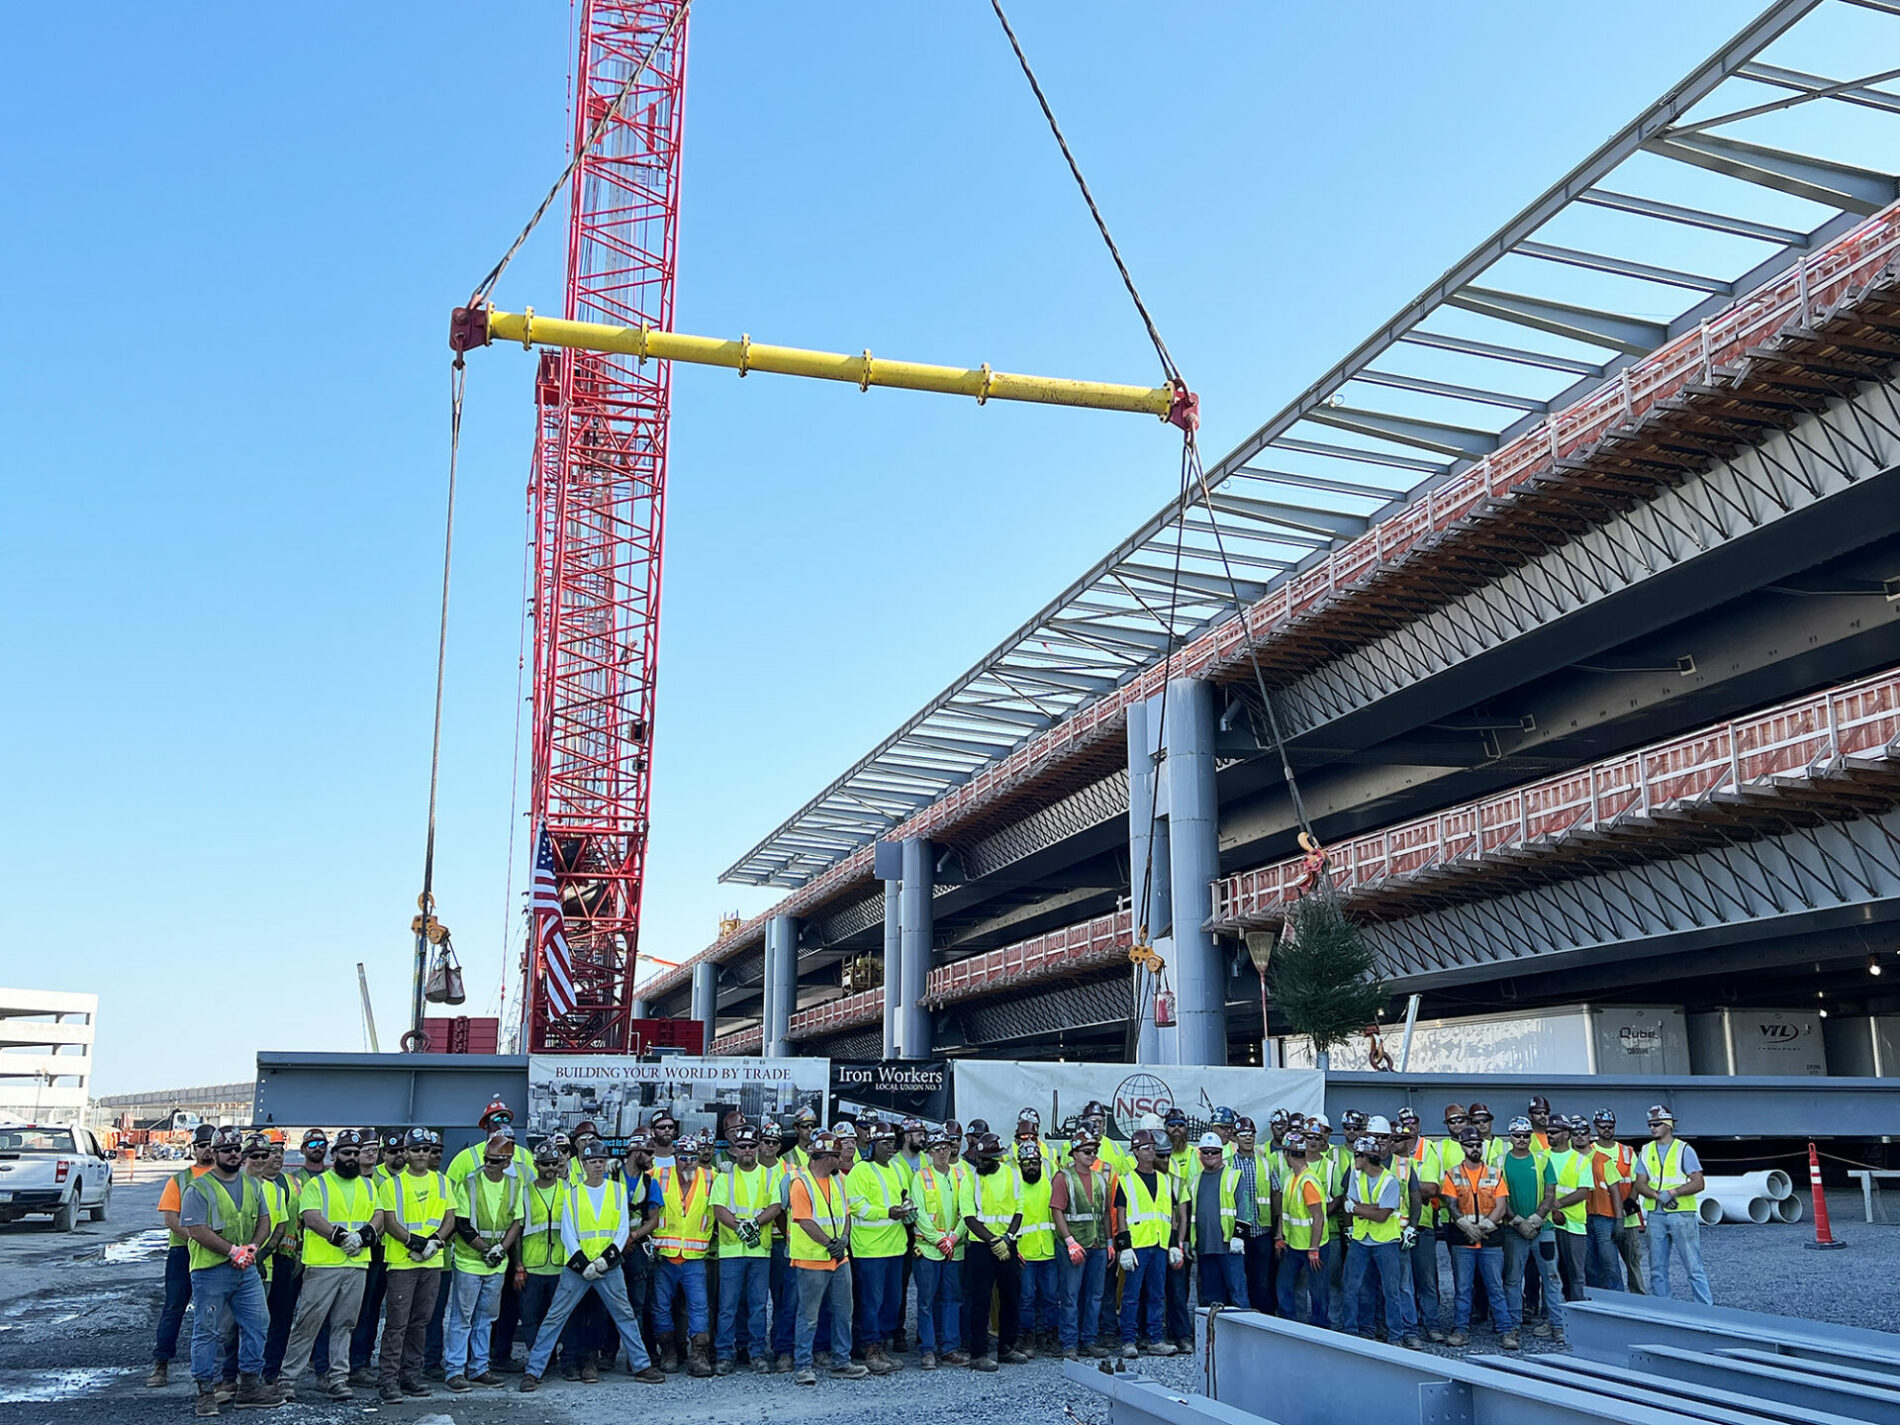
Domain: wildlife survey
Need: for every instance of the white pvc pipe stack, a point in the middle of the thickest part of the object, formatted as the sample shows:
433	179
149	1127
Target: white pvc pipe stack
1708	1209
1789	1209
1750	1197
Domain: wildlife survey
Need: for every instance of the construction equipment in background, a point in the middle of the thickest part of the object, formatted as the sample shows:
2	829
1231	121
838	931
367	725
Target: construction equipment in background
369	1015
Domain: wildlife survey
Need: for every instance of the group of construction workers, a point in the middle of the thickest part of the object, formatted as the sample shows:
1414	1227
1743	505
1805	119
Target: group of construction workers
795	1245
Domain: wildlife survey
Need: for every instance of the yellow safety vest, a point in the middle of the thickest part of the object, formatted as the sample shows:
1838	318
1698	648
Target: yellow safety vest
1036	1238
830	1211
234	1219
595	1231
348	1203
477	1191
1304	1226
1573	1172
1665	1174
419	1201
745	1194
542	1251
1089	1195
936	1195
1365	1230
686	1220
993	1199
1150	1215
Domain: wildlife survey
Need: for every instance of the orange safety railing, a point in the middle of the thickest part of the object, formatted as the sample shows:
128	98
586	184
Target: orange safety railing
1861	719
1093	944
847	1012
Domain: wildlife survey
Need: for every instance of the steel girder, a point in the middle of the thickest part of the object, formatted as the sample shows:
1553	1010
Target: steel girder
1806	879
1077	1007
1758	490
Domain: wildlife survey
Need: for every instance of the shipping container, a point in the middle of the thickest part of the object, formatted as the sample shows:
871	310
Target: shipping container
1777	1043
1563	1039
1862	1046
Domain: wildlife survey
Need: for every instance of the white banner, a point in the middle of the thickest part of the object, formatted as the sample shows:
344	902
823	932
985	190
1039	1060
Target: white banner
998	1091
617	1094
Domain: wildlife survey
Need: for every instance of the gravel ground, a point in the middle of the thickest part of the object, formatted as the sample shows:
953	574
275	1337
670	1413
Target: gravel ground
76	1315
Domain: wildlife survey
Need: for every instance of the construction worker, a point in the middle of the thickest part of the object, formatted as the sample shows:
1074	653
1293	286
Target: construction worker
336	1209
1611	1205
880	1211
258	1154
286	1278
636	1253
1254	1184
1479	1201
992	1217
745	1205
226	1219
1303	1244
1039	1315
1494	1147
1570	1212
1213	1227
489	1217
416	1213
665	1131
937	1267
845	1131
1530	1246
1539	1115
821	1217
1669	1176
1083	1198
804	1125
1149	1249
171	1316
1415	1159
1332	1165
386	1159
595	1220
1376	1218
686	1229
1183	1159
543	1255
496	1118
774	1142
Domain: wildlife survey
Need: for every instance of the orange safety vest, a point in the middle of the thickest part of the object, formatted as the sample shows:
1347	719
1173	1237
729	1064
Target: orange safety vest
686	1224
1476	1187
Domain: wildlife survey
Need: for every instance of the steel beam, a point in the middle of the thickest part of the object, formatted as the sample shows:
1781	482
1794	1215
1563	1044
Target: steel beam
442	1091
781	977
1617	1322
1633	336
1137	1400
912	1027
1198	968
893	965
1837	185
1625	1383
1878	1405
1150	891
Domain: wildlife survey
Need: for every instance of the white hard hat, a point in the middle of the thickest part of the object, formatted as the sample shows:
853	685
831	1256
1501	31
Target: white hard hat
1377	1124
1212	1140
1151	1121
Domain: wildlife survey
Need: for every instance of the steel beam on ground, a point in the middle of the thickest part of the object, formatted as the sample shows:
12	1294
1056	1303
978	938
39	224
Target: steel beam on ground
1137	1400
1879	1405
1642	1388
1705	1105
1619	1321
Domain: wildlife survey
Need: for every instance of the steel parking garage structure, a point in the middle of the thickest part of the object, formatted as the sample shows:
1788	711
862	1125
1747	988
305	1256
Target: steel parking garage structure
1574	589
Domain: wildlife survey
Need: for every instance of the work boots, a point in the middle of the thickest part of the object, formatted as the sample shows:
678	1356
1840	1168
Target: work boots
878	1362
590	1369
159	1371
699	1355
253	1394
669	1352
207	1401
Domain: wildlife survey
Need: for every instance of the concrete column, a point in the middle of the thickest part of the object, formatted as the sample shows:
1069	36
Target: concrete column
781	984
893	965
1194	862
913	1028
1149	898
706	996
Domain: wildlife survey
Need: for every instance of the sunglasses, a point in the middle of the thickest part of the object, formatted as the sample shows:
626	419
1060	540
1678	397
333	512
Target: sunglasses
498	1162
259	1153
349	1152
1520	1135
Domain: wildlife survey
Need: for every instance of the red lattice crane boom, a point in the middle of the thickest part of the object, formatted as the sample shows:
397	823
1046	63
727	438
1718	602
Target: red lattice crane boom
597	502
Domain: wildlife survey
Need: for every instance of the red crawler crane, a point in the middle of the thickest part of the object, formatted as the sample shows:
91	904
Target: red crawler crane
597	501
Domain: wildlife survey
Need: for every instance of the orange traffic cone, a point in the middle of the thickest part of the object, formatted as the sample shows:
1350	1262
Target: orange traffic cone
1823	1234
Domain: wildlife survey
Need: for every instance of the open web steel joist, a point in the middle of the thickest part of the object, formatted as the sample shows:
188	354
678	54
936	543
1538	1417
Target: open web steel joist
1568	294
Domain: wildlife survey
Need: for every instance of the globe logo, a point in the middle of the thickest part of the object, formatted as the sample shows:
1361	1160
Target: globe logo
1138	1094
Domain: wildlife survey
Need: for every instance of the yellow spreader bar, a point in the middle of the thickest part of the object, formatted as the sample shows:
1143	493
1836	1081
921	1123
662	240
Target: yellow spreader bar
478	326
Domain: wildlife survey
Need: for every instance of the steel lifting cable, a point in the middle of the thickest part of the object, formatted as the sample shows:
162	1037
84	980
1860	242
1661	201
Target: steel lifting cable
1193	475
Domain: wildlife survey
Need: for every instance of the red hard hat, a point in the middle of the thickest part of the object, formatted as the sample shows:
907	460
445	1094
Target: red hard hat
495	1106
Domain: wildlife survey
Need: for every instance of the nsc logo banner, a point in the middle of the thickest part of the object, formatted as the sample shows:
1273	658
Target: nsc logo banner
997	1091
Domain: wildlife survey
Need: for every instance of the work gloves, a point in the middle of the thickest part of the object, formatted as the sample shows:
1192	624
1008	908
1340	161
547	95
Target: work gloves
423	1249
1128	1259
947	1243
495	1255
1076	1254
999	1249
1176	1259
1668	1200
749	1233
244	1257
836	1250
1469	1226
594	1270
1408	1237
352	1243
1486	1226
1238	1244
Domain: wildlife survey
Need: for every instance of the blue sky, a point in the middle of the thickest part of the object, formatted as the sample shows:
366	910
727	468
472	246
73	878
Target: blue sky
232	240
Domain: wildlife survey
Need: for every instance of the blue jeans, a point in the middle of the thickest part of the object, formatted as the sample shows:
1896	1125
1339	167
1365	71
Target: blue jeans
1143	1293
784	1301
743	1282
939	1304
1368	1262
1180	1319
877	1287
1680	1230
286	1281
1081	1299
1223	1277
536	1297
1518	1256
611	1290
1297	1267
1468	1263
1037	1301
816	1288
216	1291
670	1276
1605	1264
474	1302
171	1316
1422	1263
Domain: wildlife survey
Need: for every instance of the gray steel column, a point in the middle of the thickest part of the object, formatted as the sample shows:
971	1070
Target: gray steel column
1149	897
706	996
781	983
1194	862
642	1007
893	965
913	1024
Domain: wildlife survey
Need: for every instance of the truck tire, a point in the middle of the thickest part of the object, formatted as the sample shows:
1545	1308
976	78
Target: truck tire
105	1204
66	1215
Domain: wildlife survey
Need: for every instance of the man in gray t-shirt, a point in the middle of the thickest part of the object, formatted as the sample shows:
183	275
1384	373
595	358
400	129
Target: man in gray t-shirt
1668	1178
1222	1270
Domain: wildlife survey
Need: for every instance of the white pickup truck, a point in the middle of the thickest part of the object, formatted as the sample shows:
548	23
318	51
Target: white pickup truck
53	1170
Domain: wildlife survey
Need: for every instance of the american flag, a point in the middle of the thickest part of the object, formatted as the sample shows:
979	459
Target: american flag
550	930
